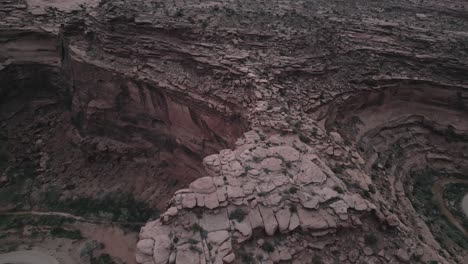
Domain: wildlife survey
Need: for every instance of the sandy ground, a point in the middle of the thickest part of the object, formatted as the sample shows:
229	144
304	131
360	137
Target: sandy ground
27	257
118	243
115	241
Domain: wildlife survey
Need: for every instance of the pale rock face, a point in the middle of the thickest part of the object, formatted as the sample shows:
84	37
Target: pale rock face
294	222
287	153
272	164
243	227
218	237
229	258
311	220
161	249
211	200
216	222
340	207
283	191
336	136
325	194
255	218
212	163
310	202
203	185
235	192
283	216
187	256
189	200
269	220
310	173
402	256
146	246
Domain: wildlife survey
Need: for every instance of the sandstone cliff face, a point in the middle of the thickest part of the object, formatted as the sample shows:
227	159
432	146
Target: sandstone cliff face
346	104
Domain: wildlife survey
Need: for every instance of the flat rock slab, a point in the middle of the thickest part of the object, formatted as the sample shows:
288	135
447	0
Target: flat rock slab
203	185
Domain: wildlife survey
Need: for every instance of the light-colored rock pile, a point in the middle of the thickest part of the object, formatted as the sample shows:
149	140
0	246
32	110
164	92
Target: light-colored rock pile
278	185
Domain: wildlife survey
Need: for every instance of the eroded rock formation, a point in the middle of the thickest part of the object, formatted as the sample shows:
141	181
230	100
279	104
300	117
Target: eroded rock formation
297	131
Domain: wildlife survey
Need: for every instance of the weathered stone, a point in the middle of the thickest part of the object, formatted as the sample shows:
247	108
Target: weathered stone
243	227
353	255
255	218
269	220
189	200
282	217
229	258
200	199
311	220
217	237
311	202
146	246
294	222
272	164
203	185
235	192
310	173
187	257
392	220
161	250
211	200
287	153
284	254
215	222
212	162
368	251
144	258
325	194
340	207
402	256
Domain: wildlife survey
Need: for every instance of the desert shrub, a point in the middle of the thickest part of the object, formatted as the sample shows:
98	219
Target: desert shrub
304	139
268	247
238	214
293	189
317	260
371	239
64	233
102	259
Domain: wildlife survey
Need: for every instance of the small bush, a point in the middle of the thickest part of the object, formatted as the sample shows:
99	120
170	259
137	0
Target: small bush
102	259
268	247
317	260
238	214
371	239
293	208
338	189
197	228
64	233
293	190
304	139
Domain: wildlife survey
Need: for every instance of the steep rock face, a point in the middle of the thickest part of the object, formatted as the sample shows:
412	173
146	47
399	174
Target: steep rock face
109	105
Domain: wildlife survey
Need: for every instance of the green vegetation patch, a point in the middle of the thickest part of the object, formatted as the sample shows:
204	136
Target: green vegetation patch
238	214
102	259
65	233
426	205
117	207
19	221
453	194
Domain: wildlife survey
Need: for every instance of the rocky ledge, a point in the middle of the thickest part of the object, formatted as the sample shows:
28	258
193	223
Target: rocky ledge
273	199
